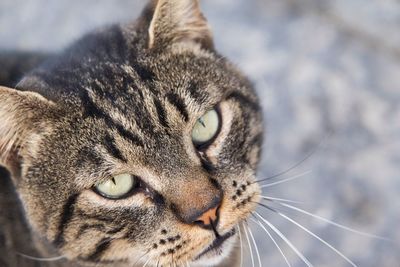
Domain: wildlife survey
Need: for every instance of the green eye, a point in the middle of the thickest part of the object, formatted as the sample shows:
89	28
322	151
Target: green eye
117	187
206	128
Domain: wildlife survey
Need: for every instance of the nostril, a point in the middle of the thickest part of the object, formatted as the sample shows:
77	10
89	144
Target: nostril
199	222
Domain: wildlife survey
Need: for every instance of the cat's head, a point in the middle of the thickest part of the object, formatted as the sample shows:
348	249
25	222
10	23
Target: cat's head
138	144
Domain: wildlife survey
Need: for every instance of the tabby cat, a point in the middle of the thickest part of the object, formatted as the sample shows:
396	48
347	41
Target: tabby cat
138	145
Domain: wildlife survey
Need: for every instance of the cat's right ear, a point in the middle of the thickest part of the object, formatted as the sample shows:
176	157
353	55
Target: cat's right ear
24	119
177	21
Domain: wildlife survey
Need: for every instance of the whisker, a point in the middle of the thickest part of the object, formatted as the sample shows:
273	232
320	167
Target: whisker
286	180
272	238
311	153
290	244
173	261
311	233
334	223
241	246
141	257
248	242
40	259
281	199
147	262
255	245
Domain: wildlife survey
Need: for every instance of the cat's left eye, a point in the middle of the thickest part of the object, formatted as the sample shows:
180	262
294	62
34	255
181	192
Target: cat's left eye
206	128
117	187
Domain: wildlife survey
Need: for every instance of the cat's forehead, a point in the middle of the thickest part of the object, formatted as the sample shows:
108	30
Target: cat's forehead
107	63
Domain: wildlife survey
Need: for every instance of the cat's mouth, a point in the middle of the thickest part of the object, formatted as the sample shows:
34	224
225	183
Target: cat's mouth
216	247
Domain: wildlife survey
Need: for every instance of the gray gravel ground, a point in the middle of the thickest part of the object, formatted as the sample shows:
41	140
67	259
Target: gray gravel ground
325	70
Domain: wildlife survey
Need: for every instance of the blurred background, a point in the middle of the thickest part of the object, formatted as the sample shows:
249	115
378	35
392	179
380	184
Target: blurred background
328	75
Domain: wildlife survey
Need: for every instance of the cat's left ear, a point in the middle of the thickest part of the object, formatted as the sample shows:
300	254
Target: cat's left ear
24	119
177	21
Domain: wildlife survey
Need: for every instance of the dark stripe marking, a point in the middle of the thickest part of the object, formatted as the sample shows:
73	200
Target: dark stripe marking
101	247
109	143
206	164
128	135
86	227
161	113
197	93
244	100
95	217
116	230
100	228
144	73
91	110
88	156
179	104
66	216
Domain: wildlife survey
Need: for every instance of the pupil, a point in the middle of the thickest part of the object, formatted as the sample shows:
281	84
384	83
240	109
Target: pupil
202	122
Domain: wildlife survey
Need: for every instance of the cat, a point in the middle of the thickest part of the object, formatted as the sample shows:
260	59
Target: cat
136	146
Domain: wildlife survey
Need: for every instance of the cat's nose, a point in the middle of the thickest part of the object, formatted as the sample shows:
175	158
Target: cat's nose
203	212
208	219
195	201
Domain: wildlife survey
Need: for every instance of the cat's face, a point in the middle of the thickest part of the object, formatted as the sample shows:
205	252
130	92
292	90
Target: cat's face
144	148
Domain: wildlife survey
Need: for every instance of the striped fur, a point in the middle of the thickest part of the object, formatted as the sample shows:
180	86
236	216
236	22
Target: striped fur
125	99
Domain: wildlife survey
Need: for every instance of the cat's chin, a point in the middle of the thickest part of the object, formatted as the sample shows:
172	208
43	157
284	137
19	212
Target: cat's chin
217	252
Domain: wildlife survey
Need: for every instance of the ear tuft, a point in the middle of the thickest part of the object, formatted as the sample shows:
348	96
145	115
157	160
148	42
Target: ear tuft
177	21
22	115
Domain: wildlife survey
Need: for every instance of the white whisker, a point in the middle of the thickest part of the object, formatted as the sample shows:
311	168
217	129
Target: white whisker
290	244
273	240
312	152
173	261
147	262
333	223
137	261
241	246
316	236
281	199
286	180
41	259
248	241
255	245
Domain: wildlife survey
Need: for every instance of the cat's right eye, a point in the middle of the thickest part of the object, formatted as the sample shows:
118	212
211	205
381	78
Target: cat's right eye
206	128
117	187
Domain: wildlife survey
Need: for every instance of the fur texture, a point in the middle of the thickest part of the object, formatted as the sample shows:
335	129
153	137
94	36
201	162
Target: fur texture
124	99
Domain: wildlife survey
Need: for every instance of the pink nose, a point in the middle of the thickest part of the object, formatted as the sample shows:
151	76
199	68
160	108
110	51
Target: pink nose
208	217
